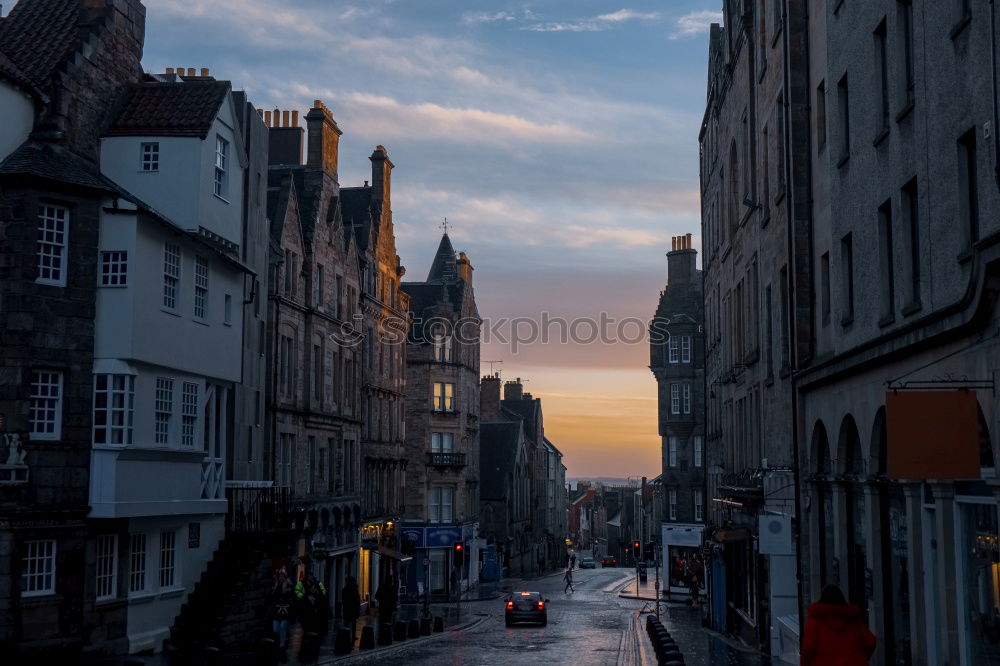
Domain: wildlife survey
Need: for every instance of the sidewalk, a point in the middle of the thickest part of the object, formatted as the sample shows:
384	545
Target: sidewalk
647	592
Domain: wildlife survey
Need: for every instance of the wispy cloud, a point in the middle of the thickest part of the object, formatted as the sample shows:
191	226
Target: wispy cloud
532	22
628	15
695	23
485	17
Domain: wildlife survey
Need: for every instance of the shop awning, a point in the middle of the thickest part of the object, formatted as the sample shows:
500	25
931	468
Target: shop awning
385	551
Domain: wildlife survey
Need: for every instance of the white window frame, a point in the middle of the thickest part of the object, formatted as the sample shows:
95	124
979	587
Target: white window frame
442	442
675	398
106	571
46	405
53	245
163	410
672	444
149	156
114	400
699	451
283	473
221	178
114	268
137	551
687	397
672	350
699	505
189	414
38	574
441	504
172	259
168	559
672	503
685	349
200	287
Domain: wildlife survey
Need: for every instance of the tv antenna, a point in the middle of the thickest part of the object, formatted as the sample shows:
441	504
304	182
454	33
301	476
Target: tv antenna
492	363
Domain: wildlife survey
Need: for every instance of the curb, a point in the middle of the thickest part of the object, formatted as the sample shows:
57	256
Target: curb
387	649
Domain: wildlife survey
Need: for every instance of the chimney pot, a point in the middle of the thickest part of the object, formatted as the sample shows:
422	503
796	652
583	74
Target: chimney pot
317	104
284	118
180	71
267	118
190	71
170	70
204	71
295	118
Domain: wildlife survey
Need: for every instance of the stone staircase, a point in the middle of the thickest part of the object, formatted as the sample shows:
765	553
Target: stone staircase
227	609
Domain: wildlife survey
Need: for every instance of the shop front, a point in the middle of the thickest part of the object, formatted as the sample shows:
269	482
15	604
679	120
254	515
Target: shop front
435	570
380	559
683	562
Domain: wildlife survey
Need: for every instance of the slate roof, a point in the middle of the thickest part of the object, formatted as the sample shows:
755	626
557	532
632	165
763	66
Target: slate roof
497	455
170	109
443	269
37	36
358	210
46	160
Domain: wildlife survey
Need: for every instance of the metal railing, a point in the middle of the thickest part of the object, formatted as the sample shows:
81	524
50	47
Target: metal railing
446	459
257	509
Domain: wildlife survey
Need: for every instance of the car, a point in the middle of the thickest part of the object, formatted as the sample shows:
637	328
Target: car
526	607
587	562
609	561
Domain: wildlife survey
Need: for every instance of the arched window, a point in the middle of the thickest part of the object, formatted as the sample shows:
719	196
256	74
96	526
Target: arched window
824	503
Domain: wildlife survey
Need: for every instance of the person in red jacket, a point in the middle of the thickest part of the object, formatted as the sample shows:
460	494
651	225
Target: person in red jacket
836	633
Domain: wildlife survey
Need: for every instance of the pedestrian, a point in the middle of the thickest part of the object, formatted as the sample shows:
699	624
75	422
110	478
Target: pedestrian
572	561
350	601
836	633
279	601
693	588
569	581
313	606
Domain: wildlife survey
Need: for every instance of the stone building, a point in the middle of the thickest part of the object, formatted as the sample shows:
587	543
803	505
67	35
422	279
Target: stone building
59	64
384	325
749	229
442	424
314	346
904	263
677	359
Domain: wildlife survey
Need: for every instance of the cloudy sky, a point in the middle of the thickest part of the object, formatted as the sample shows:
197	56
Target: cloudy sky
559	138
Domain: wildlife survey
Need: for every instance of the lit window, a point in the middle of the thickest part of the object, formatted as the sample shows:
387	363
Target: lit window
444	397
137	563
221	165
46	405
151	156
171	275
168	542
114	396
107	561
38	577
189	413
53	228
164	408
114	269
200	286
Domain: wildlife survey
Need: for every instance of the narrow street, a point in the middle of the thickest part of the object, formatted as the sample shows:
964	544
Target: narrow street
590	626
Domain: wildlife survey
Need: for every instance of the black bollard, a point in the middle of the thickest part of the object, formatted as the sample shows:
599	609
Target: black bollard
384	633
413	629
367	637
425	626
438	624
399	631
344	642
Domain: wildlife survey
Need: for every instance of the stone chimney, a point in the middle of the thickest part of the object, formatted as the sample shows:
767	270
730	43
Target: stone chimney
381	174
489	398
681	260
464	268
324	138
284	136
513	390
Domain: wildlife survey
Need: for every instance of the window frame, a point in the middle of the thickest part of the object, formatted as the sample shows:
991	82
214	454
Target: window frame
672	503
138	556
221	168
167	571
201	286
52	229
173	260
114	269
675	398
106	567
149	157
190	408
35	404
46	574
112	411
163	398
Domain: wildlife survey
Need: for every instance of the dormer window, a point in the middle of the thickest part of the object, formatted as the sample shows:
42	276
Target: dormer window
221	166
150	156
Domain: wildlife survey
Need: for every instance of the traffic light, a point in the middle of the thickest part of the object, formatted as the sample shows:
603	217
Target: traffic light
458	554
636	548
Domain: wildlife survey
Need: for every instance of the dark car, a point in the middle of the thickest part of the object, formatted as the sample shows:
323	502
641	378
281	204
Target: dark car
526	607
587	562
609	561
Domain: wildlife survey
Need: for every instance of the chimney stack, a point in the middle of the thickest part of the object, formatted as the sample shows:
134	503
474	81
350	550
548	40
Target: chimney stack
489	398
381	174
513	390
324	138
285	137
681	260
464	268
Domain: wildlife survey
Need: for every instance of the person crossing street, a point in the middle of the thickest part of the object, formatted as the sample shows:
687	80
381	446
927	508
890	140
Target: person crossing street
569	581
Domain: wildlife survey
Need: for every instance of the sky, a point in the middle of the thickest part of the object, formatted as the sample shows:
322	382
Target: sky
558	137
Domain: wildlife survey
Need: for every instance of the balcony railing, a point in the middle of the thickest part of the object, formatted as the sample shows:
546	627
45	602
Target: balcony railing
446	459
258	509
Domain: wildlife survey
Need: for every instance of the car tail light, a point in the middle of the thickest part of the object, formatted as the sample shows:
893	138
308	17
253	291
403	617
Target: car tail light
510	605
541	605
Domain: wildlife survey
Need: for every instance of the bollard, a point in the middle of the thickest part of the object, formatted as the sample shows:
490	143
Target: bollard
384	633
399	630
413	629
344	642
438	624
425	626
367	637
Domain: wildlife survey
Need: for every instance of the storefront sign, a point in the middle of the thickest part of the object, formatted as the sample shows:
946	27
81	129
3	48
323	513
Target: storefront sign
932	434
442	537
683	535
414	534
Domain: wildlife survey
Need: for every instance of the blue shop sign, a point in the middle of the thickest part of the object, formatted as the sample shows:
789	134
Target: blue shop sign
443	537
415	534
